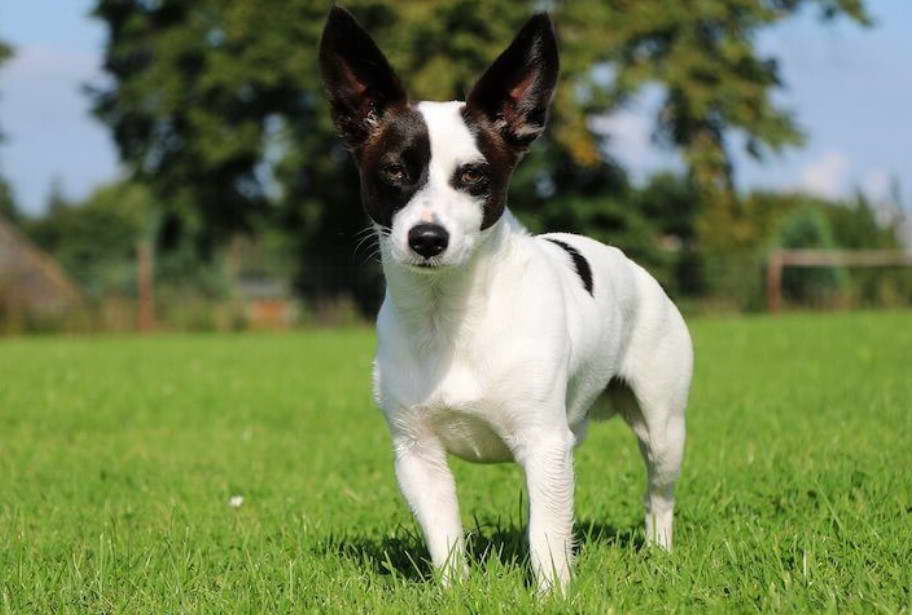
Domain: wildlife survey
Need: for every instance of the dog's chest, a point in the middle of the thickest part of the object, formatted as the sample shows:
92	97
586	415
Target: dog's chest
455	399
469	436
464	411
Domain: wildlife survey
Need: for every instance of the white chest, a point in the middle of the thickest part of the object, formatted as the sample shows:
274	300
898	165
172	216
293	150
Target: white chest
469	436
452	398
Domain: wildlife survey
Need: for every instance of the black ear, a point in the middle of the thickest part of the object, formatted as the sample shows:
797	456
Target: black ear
516	90
359	80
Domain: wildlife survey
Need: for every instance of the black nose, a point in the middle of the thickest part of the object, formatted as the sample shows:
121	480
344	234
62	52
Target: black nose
428	239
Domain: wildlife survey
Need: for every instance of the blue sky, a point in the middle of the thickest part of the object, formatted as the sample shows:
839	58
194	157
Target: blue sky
851	89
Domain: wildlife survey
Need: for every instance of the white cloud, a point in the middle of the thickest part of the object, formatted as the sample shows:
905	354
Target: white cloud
876	185
826	176
629	136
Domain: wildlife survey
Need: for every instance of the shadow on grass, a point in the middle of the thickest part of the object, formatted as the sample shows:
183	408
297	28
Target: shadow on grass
404	553
401	554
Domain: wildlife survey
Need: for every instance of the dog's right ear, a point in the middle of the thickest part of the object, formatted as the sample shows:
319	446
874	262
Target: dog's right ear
359	80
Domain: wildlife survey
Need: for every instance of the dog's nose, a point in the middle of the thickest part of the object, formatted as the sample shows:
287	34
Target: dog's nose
428	239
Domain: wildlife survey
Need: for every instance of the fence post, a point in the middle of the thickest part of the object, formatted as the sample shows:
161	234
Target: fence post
774	281
145	320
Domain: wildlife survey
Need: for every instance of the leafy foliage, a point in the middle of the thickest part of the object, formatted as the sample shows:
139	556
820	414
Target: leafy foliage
8	209
217	105
95	241
6	52
808	227
716	85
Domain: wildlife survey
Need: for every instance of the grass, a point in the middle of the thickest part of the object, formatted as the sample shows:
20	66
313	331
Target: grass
118	457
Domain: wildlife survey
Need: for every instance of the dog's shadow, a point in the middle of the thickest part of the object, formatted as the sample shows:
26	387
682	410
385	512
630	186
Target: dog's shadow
404	553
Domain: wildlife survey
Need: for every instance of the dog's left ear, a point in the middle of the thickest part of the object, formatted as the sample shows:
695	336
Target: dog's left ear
360	82
516	90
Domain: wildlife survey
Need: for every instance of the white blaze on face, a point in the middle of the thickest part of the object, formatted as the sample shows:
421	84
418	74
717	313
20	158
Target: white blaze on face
452	145
438	202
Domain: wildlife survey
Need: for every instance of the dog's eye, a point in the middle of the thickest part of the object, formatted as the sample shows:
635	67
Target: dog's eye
471	176
394	172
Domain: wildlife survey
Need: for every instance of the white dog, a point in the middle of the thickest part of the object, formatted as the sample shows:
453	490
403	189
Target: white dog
493	344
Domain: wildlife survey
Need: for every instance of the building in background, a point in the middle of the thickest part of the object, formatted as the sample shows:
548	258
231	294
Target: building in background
32	284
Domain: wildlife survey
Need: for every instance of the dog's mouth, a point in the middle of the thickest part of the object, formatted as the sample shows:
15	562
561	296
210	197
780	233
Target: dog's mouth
426	266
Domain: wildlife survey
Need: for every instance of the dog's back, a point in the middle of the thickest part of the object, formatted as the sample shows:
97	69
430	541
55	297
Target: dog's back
621	323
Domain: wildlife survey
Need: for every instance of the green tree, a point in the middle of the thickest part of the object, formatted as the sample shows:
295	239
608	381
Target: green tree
702	54
856	227
672	205
56	199
95	241
217	105
8	209
808	227
6	52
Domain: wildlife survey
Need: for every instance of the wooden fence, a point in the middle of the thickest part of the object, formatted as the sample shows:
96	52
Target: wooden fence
780	259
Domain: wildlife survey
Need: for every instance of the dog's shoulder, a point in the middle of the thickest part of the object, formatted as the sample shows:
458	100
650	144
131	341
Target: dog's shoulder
598	254
600	268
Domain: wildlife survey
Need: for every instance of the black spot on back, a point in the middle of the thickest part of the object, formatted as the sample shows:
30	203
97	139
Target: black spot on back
583	270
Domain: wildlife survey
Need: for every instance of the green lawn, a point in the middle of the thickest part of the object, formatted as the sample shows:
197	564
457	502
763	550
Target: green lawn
118	457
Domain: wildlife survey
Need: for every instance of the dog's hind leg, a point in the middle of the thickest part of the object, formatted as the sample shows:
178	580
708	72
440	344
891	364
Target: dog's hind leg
661	442
654	408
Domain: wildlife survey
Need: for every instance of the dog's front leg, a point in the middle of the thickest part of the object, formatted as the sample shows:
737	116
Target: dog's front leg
547	460
428	486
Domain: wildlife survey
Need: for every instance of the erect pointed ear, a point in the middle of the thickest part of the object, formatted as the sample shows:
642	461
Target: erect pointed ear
358	78
516	90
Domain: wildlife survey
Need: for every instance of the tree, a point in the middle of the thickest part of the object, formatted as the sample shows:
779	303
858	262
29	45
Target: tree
57	199
95	241
8	207
6	52
702	54
217	105
808	227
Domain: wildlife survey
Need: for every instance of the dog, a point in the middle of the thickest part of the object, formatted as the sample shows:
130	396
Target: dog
493	344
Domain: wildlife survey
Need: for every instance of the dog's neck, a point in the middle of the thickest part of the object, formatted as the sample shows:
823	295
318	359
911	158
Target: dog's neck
452	298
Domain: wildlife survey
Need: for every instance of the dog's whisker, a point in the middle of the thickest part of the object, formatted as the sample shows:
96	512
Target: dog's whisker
373	256
364	241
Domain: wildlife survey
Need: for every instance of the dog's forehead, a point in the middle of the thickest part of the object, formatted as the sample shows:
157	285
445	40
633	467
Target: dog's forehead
452	143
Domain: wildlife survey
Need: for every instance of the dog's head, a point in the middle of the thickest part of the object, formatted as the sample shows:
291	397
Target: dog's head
434	175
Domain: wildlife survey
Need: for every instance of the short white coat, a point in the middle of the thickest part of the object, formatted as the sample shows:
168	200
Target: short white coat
500	356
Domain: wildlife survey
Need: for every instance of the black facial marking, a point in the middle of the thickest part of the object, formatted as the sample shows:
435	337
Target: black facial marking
505	111
500	161
579	262
394	164
472	178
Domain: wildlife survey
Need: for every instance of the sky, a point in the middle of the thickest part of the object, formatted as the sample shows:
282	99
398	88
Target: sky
850	88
